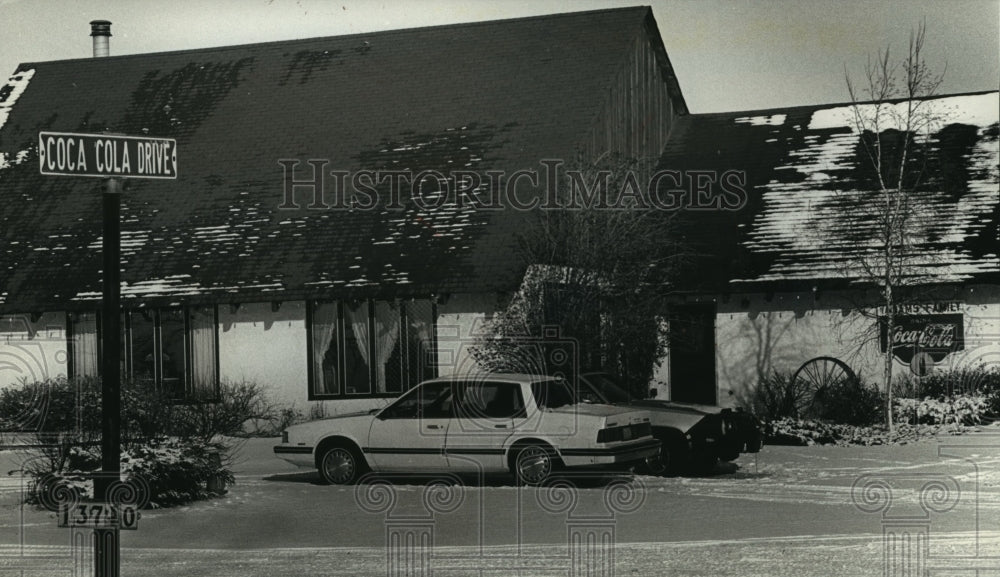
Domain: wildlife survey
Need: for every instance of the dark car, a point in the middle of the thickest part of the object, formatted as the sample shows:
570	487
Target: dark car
695	437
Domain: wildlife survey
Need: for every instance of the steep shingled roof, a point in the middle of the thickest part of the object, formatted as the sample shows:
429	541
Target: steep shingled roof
805	168
483	96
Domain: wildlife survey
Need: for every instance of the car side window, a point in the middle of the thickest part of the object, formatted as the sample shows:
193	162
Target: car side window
490	400
431	401
588	395
552	394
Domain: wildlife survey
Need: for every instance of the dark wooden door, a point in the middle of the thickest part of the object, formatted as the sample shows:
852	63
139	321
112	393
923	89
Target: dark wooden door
692	353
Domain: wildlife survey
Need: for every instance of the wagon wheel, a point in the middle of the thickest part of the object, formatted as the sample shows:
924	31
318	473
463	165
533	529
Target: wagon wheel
814	376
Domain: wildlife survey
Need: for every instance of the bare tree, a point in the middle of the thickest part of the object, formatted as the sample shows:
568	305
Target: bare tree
597	270
894	115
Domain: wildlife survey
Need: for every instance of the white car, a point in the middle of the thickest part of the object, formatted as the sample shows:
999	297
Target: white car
528	425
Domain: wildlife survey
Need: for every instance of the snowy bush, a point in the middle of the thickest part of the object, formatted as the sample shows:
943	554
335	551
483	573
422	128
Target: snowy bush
960	409
941	384
173	470
773	398
176	447
849	402
790	431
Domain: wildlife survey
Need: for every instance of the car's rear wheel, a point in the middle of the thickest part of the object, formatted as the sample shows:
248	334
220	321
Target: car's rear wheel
673	453
534	464
341	465
658	464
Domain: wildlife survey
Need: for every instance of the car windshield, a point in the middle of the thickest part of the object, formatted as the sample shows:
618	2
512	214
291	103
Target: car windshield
430	400
552	394
607	388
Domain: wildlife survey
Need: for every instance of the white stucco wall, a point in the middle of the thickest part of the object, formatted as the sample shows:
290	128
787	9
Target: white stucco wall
793	328
269	347
256	344
459	321
32	351
982	330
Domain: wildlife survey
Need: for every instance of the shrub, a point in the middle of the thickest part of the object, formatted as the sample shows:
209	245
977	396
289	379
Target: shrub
170	471
227	414
178	470
50	405
850	402
957	410
317	411
281	419
774	397
789	431
176	447
946	383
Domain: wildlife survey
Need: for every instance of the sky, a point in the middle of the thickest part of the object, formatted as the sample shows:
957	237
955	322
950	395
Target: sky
728	55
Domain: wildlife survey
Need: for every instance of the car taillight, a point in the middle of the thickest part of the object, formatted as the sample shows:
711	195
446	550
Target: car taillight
284	436
624	433
609	435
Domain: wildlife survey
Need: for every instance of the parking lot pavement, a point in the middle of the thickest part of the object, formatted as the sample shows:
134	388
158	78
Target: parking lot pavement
781	511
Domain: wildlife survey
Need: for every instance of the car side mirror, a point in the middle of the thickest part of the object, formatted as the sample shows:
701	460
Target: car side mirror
652	393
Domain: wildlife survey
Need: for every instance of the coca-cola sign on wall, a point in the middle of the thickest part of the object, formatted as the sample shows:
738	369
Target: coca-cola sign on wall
936	335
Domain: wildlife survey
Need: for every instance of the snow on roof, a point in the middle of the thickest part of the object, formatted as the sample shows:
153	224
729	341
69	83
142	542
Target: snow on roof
11	91
808	190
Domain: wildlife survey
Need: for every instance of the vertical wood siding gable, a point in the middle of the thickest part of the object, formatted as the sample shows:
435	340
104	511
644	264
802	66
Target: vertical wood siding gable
638	111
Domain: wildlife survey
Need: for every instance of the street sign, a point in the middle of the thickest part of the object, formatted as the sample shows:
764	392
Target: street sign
112	157
103	155
99	516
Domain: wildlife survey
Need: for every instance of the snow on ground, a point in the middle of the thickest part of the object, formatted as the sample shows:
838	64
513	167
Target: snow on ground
857	556
785	511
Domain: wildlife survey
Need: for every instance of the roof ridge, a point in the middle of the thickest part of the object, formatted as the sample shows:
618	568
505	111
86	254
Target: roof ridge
637	8
804	107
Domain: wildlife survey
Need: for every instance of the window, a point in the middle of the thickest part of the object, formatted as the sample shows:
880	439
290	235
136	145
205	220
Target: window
490	400
605	388
176	348
359	348
172	348
83	344
202	353
140	353
324	360
552	394
431	401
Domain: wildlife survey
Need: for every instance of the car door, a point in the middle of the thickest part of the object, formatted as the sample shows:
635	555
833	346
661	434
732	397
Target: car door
484	419
409	435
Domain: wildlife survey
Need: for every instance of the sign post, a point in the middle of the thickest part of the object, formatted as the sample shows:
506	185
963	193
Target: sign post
107	549
114	158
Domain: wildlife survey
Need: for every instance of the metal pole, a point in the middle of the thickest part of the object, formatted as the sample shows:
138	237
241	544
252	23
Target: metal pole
106	543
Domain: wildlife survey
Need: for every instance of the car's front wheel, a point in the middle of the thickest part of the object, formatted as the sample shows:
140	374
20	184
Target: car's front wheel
534	464
340	465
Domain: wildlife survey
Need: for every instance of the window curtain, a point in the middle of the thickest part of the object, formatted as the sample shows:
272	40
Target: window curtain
84	344
357	315
203	367
386	337
420	327
324	328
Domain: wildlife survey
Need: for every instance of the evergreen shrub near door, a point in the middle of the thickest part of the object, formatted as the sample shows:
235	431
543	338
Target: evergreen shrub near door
181	449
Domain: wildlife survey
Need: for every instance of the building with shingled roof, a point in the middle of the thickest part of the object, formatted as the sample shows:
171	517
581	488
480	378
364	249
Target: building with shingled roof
249	265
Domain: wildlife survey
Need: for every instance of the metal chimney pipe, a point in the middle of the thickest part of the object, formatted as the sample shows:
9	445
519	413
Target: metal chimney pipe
101	31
